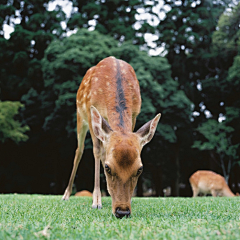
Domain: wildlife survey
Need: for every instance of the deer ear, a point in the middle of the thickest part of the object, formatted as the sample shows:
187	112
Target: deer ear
147	131
100	126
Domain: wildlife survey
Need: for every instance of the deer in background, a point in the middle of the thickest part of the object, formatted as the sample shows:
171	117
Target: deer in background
208	182
83	193
108	102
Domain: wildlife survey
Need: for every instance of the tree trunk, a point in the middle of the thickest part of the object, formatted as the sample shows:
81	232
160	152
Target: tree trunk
177	175
175	184
225	174
157	179
140	187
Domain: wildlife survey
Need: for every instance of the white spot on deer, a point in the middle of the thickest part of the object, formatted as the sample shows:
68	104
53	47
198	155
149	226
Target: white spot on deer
95	79
107	83
86	81
100	90
95	93
121	64
84	106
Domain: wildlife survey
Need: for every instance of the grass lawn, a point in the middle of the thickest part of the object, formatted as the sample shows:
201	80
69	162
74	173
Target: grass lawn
47	217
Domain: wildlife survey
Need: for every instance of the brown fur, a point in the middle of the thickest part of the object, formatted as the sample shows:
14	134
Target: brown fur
83	193
125	155
106	92
208	182
108	102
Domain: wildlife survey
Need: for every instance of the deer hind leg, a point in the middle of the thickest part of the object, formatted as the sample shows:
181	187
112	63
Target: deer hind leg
214	193
195	191
82	130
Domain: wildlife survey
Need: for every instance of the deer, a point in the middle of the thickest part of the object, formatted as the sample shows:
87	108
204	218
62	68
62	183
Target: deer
108	103
83	193
208	182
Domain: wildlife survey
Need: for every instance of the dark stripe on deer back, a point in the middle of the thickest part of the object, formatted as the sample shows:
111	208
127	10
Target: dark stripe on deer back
120	96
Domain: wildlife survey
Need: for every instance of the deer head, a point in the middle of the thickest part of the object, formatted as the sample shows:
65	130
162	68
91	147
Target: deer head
122	161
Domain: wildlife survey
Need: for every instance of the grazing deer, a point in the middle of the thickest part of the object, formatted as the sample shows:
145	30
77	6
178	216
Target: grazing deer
83	193
108	102
208	182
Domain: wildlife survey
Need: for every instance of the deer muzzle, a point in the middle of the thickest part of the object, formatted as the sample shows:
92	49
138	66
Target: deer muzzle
120	213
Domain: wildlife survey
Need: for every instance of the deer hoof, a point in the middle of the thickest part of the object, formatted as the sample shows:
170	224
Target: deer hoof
66	196
97	206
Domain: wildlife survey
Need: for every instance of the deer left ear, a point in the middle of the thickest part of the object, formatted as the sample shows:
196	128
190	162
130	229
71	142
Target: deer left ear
100	126
147	131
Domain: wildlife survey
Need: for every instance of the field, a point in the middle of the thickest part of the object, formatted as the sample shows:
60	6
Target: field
47	217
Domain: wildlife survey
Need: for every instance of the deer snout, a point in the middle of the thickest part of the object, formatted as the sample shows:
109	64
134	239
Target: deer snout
120	213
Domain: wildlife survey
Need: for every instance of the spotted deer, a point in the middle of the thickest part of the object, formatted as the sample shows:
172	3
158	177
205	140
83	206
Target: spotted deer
108	102
208	182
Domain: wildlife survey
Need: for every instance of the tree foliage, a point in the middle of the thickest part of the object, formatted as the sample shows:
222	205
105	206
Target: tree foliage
115	18
21	54
222	137
10	127
187	34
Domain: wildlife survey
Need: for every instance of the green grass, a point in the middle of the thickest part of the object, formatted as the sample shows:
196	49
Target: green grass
26	216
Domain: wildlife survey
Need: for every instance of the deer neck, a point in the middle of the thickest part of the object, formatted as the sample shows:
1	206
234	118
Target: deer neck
227	192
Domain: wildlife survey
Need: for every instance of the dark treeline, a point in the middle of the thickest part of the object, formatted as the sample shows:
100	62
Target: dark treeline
194	83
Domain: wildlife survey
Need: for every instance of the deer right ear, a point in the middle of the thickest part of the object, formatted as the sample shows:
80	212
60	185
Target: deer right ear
147	131
100	126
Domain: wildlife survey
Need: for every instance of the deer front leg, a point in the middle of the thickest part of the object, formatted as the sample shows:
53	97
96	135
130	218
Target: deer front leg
97	201
68	190
81	137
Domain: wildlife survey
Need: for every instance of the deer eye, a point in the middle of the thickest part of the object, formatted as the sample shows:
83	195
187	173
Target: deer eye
139	171
107	168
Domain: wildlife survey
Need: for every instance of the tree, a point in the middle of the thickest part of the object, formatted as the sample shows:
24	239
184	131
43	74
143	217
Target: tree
21	54
10	128
115	18
186	33
20	60
222	138
218	137
193	34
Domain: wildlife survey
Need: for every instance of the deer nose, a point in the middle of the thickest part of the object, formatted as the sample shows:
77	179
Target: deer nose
119	213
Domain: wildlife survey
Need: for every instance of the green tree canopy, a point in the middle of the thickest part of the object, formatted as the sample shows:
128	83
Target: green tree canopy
186	33
222	138
21	54
10	127
116	18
